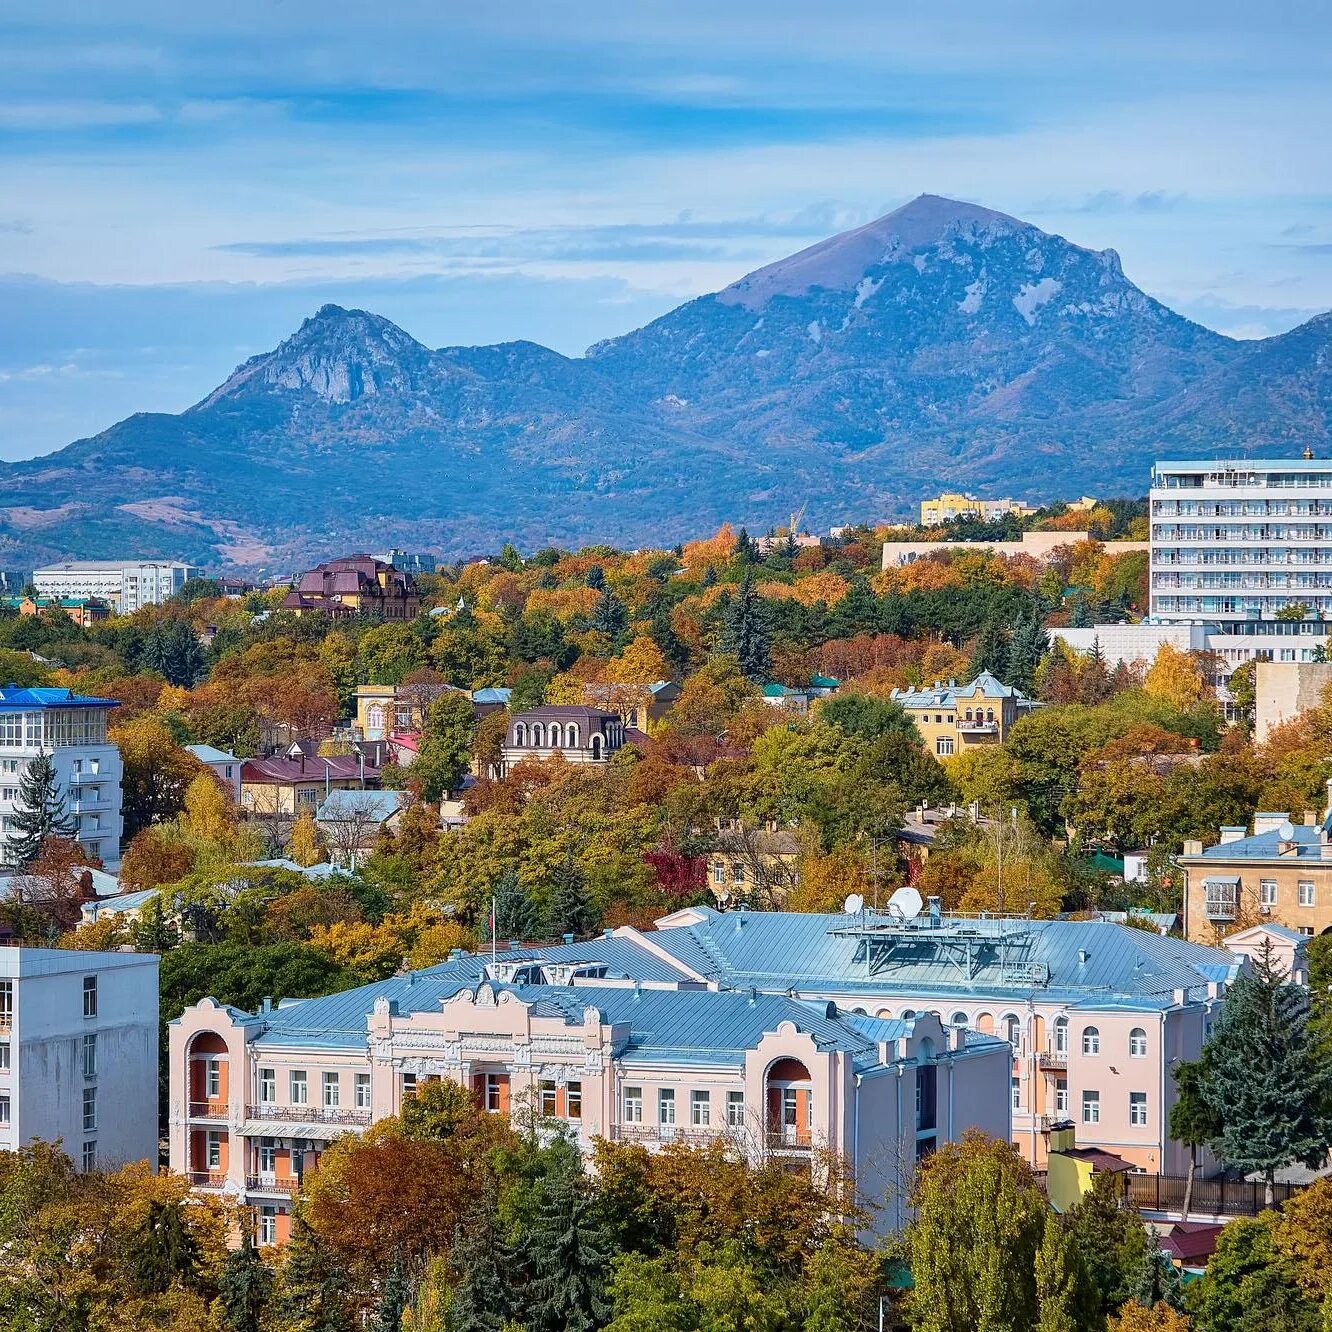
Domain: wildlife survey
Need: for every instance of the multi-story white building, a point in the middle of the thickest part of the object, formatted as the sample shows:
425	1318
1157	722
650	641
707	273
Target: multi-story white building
127	584
78	1053
71	728
1242	541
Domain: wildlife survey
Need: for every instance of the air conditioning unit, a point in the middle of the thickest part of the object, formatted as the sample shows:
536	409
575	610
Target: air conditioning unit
1264	909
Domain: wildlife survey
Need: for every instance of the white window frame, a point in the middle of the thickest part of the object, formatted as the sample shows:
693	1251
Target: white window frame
1138	1043
1091	1107
1267	892
90	996
943	746
735	1109
632	1102
330	1085
89	1156
1061	1096
666	1107
213	1145
1091	1041
298	1086
1137	1102
700	1109
1308	893
89	1054
267	1226
268	1086
361	1091
90	1109
573	1100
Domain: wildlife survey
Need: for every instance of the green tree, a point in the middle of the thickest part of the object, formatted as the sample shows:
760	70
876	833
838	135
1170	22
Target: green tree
172	649
312	1295
39	811
570	910
166	1251
436	1111
1026	650
245	1286
483	1299
991	650
744	633
980	1219
446	742
1193	1119
1079	616
1263	1077
1113	1236
567	1253
609	616
1063	1297
393	1299
1248	1287
515	914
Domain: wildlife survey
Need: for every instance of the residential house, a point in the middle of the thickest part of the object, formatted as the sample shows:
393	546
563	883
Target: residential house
756	865
71	729
952	717
1280	874
283	787
78	1053
486	701
84	611
639	707
351	821
224	765
355	585
950	506
256	1097
579	734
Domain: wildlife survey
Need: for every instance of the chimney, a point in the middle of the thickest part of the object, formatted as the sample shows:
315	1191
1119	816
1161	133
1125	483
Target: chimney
1265	821
1083	957
1232	833
1193	847
568	938
1310	819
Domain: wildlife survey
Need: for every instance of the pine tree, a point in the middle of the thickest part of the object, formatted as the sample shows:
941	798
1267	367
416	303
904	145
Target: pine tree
515	917
152	932
39	811
312	1296
859	612
1079	616
595	578
166	1251
244	1287
1263	1078
483	1299
570	910
1158	1281
568	1255
393	1299
609	616
991	652
1026	650
745	552
667	640
745	632
173	650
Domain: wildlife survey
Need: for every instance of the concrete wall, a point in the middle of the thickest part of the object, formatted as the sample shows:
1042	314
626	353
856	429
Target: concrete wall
1284	689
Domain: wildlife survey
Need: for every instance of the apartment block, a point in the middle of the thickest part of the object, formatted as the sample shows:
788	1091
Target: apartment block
71	728
126	584
78	1053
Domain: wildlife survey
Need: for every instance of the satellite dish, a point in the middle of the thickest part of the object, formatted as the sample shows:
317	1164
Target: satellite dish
854	905
906	902
1287	831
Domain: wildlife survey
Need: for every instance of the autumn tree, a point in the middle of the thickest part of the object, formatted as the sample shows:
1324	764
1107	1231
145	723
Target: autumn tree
1174	678
157	773
209	813
303	844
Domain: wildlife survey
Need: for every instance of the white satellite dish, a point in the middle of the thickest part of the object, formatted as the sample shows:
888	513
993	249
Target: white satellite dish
1287	831
854	905
906	902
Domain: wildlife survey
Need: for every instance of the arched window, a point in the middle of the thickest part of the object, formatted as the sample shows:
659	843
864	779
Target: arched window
1012	1029
989	714
1091	1041
1061	1036
1138	1043
884	1013
538	735
571	736
375	715
908	1013
985	1023
520	733
959	1019
596	746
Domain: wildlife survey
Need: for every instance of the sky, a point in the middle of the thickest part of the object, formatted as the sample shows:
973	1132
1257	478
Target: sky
181	184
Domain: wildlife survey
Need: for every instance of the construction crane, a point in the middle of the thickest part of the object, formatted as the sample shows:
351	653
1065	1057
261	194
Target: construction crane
796	518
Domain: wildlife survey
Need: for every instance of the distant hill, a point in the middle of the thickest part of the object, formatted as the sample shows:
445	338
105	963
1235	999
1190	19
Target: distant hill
944	344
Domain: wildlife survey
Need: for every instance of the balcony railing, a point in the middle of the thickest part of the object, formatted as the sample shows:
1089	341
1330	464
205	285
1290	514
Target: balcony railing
207	1179
1053	1059
1220	908
209	1110
308	1114
692	1135
788	1139
975	724
272	1184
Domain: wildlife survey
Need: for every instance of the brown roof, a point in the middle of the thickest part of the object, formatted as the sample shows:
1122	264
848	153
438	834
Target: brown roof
287	772
566	712
1100	1160
1192	1241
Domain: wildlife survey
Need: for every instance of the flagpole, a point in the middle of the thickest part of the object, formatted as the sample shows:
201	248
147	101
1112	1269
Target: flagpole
494	926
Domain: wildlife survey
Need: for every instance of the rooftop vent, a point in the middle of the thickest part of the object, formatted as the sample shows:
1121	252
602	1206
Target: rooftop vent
1083	957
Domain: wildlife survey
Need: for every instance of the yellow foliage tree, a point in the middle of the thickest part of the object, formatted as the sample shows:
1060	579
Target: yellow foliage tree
641	663
209	814
303	845
1175	679
1134	1317
826	880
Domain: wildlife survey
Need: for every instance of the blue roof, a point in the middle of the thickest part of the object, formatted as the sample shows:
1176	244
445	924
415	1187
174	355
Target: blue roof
207	754
941	695
1308	844
121	902
1089	960
14	699
492	695
378	805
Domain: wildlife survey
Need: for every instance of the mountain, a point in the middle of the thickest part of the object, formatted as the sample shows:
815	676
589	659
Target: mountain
943	344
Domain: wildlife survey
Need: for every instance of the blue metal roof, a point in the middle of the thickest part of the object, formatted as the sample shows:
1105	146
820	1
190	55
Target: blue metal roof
208	754
940	695
14	699
492	695
1307	845
378	805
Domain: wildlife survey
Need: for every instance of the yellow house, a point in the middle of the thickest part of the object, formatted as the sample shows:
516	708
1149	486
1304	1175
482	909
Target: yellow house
752	864
952	717
1071	1168
952	505
381	712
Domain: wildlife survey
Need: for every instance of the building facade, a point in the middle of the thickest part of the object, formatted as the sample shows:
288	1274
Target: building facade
951	505
1278	873
355	585
285	787
1242	540
71	729
255	1098
1284	690
952	717
580	735
84	611
78	1053
126	584
225	766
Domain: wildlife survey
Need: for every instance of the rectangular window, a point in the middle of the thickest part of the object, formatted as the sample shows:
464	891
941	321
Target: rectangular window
718	872
267	1086
494	1093
943	746
700	1109
267	1225
267	1156
737	873
214	1150
409	1087
363	1091
4	1056
735	1109
573	1100
299	1087
212	1077
548	1098
332	1091
90	1055
89	1109
1091	1107
6	1002
666	1105
1138	1109
1061	1096
308	795
1267	892
90	996
4	1109
1015	1091
1307	898
633	1105
90	1156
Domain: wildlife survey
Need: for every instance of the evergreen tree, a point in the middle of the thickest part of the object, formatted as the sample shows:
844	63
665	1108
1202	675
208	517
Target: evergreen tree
1115	1237
609	616
745	632
1079	616
595	578
1158	1281
166	1252
515	916
393	1299
664	636
859	612
244	1287
568	1256
745	552
570	910
152	932
709	578
991	652
1263	1079
173	650
1026	650
313	1295
483	1299
39	811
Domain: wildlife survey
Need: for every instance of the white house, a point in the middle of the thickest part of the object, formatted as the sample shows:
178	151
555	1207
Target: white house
78	1053
71	728
226	767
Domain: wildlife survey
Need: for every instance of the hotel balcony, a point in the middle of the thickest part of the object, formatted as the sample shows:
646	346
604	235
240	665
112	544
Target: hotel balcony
207	1179
209	1110
1053	1060
308	1114
288	1187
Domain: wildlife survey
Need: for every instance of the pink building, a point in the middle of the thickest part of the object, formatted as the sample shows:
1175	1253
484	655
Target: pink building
254	1098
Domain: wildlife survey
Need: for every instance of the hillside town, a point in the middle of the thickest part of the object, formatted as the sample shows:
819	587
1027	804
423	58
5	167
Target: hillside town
919	927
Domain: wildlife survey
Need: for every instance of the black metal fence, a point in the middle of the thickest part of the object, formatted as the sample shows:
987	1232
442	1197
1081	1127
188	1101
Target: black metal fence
1211	1197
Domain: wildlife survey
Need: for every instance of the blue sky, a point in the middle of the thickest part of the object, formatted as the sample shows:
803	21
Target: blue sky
180	184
